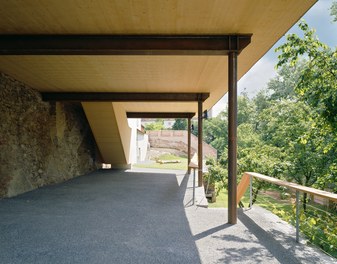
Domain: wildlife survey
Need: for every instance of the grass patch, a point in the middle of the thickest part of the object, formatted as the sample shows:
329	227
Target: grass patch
221	200
263	200
168	156
167	166
269	203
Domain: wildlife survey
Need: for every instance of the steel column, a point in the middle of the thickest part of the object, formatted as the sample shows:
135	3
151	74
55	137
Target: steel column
200	177
232	137
189	143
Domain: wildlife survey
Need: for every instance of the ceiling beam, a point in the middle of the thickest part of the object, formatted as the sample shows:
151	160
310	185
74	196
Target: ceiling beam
124	97
159	115
122	44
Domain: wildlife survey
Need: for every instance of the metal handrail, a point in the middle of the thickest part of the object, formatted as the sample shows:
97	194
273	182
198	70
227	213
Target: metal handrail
247	180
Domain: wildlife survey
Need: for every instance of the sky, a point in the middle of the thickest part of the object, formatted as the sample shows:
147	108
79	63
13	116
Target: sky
318	17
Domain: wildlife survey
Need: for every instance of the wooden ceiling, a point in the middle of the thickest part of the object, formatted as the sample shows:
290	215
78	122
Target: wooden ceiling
266	20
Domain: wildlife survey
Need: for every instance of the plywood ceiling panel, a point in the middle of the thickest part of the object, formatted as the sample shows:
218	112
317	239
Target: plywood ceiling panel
146	16
266	20
166	107
114	73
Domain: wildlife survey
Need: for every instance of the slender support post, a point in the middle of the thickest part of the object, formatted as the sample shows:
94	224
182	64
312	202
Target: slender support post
193	186
297	216
250	191
232	137
200	178
189	143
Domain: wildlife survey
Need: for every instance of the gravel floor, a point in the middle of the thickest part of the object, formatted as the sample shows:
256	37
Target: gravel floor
138	217
258	237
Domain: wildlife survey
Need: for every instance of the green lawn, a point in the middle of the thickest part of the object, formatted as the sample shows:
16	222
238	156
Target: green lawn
264	201
166	166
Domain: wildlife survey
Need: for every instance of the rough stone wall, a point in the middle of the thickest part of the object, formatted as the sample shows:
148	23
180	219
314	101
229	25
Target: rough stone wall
41	143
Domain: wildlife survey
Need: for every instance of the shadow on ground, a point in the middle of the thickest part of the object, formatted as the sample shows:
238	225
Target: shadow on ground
105	217
138	217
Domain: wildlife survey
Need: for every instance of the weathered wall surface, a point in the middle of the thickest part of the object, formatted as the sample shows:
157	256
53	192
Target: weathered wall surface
177	139
40	143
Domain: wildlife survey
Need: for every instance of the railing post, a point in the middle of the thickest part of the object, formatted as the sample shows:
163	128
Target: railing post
250	191
193	186
189	144
297	216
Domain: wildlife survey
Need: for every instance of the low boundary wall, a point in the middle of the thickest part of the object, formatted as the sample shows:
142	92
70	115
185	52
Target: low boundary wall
177	139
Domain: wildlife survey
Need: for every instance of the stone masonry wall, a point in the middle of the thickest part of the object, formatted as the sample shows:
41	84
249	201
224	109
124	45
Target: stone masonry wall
41	143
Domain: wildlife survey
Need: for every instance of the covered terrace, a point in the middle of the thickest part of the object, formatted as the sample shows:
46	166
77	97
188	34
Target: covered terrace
121	59
146	56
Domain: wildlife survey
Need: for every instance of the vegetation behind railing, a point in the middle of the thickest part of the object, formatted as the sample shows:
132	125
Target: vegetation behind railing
316	222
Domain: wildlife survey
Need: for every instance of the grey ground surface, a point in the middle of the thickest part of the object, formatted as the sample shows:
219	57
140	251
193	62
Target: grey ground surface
138	217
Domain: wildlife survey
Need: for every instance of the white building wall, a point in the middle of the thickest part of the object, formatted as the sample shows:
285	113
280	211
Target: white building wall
139	141
133	124
142	146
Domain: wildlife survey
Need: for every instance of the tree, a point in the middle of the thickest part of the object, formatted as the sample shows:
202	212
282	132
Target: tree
246	109
194	128
333	11
290	127
180	124
316	87
215	129
282	86
157	125
215	132
317	84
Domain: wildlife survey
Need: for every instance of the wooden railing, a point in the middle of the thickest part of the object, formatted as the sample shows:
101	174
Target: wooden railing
247	181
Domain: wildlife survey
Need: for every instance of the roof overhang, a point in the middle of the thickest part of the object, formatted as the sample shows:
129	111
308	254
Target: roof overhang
85	46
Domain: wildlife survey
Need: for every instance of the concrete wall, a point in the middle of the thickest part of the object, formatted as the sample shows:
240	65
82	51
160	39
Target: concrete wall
125	132
111	135
40	143
143	145
139	141
133	124
177	139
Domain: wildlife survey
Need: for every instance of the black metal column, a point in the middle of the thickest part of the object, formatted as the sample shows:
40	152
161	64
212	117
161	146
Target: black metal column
200	177
188	144
232	137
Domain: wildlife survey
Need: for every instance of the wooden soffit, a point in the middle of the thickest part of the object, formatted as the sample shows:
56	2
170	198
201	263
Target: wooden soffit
266	20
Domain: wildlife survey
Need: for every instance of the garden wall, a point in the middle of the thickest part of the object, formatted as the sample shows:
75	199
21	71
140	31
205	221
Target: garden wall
41	143
177	139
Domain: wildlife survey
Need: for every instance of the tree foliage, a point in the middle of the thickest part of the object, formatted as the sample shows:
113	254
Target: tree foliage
180	124
289	129
280	131
317	88
157	125
333	11
317	84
